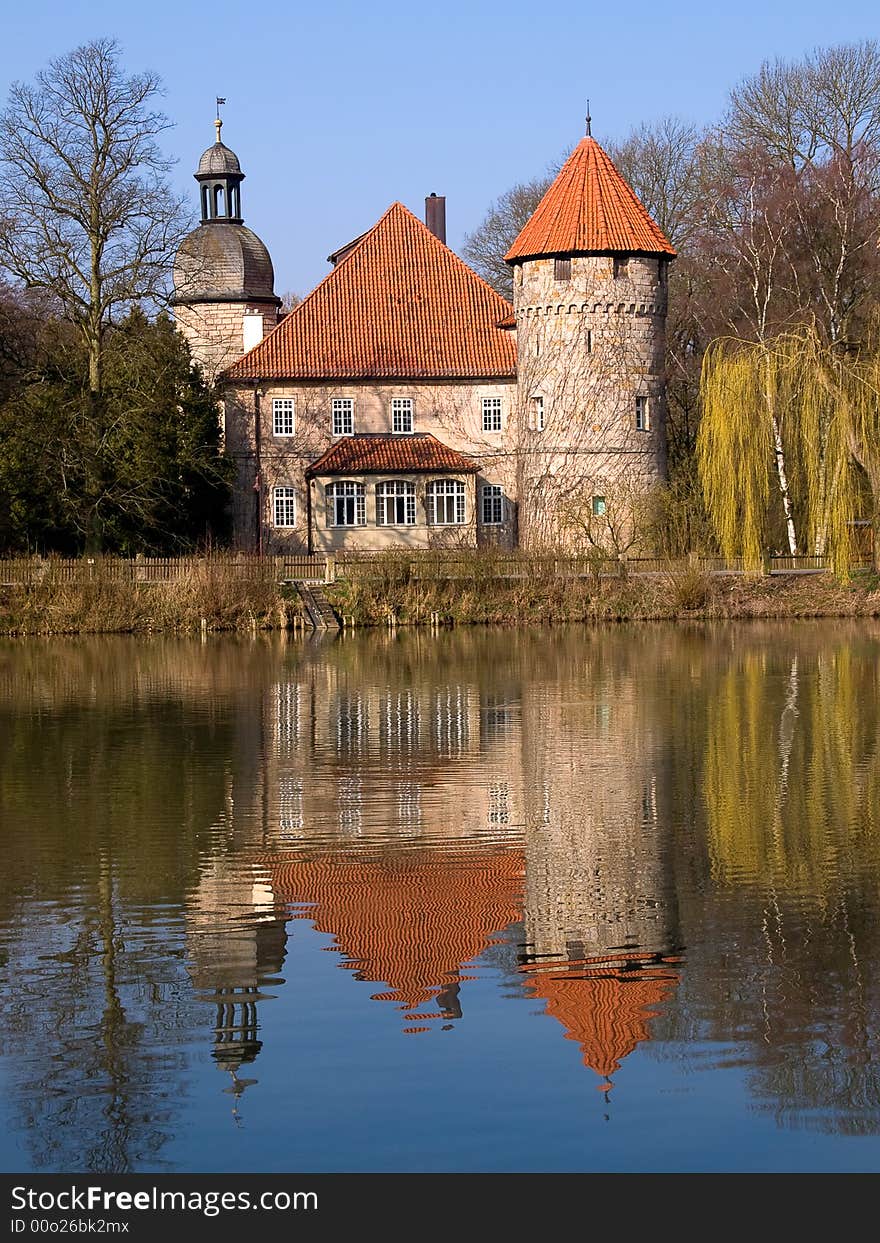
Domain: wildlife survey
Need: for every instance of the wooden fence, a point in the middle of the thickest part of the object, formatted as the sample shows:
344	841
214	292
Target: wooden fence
28	571
428	565
423	566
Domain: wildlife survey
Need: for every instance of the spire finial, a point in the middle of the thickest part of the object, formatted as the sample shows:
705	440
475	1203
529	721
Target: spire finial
589	120
218	123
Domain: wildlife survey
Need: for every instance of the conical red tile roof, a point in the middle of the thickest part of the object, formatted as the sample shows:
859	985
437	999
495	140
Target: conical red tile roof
399	305
589	208
607	1011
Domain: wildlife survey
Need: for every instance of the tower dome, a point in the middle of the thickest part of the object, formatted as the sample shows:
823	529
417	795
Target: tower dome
224	295
218	160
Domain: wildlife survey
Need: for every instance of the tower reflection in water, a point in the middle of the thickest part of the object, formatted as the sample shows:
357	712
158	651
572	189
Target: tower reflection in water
601	917
419	824
236	945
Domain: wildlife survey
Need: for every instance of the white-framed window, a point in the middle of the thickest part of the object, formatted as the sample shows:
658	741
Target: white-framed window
343	416
444	500
492	497
401	414
283	421
346	505
643	422
395	503
491	414
538	413
598	506
284	506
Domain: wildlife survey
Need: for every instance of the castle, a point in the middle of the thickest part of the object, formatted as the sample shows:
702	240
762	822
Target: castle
405	403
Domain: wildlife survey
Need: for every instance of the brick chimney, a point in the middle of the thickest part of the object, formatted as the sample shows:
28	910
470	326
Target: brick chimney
435	215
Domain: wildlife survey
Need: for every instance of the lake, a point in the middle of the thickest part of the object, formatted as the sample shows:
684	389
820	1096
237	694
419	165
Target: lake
582	899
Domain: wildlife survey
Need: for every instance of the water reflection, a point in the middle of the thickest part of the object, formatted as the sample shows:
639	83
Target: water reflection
549	818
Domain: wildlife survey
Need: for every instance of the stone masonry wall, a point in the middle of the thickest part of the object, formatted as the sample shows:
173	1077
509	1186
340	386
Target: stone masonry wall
450	411
215	331
588	347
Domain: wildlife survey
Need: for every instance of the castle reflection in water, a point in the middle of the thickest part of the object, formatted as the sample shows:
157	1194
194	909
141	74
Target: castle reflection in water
466	821
416	820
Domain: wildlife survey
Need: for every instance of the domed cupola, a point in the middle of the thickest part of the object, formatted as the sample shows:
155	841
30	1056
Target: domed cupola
219	176
224	283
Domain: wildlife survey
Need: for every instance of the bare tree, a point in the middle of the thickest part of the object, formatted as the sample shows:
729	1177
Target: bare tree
485	248
660	162
819	118
89	215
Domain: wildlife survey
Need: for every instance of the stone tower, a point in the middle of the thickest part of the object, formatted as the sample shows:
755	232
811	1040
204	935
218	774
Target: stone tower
590	272
224	300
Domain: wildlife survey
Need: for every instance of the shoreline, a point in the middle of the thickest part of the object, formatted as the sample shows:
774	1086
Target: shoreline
211	605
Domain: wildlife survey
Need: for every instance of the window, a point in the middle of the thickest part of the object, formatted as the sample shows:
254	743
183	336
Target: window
343	416
642	421
491	414
401	414
345	504
589	341
598	506
395	503
282	416
538	413
493	505
620	268
562	269
285	507
445	502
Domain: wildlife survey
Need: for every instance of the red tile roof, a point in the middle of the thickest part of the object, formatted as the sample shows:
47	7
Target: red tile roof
606	1009
589	208
380	454
398	305
409	921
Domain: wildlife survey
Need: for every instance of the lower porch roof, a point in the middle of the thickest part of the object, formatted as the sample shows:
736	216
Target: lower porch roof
415	453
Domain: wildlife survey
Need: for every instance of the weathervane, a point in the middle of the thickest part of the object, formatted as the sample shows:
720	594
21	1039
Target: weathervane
218	124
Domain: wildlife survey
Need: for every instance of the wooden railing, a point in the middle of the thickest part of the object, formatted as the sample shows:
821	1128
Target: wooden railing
421	566
28	571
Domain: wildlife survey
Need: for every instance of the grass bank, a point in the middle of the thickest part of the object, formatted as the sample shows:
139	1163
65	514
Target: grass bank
679	592
210	596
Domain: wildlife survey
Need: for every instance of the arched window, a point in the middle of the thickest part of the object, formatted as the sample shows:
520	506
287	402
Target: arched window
345	504
395	503
205	211
445	502
219	204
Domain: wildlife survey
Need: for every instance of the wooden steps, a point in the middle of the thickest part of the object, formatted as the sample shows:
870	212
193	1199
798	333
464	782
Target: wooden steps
317	606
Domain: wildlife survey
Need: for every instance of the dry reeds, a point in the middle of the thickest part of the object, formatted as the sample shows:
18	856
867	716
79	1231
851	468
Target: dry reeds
208	596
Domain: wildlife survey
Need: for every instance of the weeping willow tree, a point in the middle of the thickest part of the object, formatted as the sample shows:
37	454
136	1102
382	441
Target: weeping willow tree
797	417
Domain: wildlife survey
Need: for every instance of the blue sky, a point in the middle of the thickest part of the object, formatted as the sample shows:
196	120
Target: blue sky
336	109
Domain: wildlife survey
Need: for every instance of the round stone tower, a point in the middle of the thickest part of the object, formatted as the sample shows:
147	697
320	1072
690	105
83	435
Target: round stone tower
224	298
590	272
